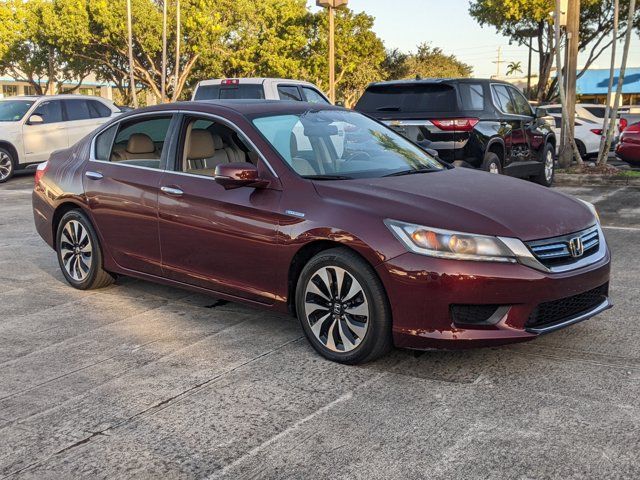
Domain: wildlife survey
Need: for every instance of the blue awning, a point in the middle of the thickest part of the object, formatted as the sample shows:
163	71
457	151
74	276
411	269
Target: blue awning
595	82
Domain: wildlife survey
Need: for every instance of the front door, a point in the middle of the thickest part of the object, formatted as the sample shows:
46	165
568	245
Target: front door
43	138
122	181
221	240
512	125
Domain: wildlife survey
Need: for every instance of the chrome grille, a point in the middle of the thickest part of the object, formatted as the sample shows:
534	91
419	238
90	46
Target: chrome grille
557	250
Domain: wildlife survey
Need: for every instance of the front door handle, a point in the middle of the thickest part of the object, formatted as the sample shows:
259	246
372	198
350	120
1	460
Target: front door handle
174	192
94	175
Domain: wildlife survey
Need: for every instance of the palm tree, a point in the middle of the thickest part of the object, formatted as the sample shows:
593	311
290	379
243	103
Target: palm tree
514	67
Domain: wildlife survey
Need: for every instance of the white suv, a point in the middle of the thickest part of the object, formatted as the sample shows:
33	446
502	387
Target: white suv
33	127
258	88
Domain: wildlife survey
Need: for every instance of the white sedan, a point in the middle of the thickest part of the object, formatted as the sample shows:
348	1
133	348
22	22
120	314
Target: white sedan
587	134
32	127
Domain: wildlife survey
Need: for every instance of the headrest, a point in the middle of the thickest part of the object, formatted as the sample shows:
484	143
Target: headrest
140	143
201	145
217	141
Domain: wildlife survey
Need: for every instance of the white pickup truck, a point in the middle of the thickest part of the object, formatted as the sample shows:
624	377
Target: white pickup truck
258	88
32	127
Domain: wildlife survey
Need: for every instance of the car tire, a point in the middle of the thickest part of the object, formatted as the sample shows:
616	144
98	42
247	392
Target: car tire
79	253
491	163
7	165
582	150
343	307
547	174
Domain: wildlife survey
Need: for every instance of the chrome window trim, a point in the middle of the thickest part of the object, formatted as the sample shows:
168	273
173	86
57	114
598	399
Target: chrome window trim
121	164
218	118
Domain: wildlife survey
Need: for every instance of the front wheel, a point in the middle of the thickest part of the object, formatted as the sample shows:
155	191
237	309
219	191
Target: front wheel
7	165
546	175
79	253
343	308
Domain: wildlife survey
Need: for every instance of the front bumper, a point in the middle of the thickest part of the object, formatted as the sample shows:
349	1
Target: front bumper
422	290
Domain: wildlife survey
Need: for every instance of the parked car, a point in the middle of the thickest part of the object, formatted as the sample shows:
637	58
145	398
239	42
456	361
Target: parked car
586	133
593	112
259	88
629	116
628	148
32	127
378	245
486	124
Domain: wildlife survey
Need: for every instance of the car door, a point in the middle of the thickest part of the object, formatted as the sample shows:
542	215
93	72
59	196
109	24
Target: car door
121	184
531	126
512	126
82	118
43	138
211	237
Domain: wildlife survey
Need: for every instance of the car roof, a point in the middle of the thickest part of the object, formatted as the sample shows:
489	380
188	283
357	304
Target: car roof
62	96
252	80
431	81
249	107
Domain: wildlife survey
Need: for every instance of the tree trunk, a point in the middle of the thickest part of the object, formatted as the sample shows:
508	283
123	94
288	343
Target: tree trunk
602	153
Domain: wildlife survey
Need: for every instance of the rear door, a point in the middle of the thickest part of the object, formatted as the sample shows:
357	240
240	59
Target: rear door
122	179
42	139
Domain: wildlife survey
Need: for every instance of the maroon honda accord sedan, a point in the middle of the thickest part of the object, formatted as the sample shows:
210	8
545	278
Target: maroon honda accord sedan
327	214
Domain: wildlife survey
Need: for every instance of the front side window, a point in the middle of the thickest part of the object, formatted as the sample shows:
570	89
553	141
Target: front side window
77	110
313	96
503	99
139	142
207	144
289	92
521	103
50	111
14	110
334	144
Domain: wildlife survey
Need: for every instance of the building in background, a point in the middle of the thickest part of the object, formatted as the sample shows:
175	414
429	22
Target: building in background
592	86
10	87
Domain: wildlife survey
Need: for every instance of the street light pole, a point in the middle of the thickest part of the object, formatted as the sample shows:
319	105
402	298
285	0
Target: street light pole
331	5
132	80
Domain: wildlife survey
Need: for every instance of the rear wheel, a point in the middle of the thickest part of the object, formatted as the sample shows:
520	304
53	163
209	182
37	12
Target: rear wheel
343	308
545	177
79	253
491	163
7	165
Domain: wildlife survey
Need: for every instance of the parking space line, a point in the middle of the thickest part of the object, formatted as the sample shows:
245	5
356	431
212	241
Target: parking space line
630	229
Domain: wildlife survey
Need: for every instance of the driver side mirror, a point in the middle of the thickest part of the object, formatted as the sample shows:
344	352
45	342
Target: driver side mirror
35	119
237	175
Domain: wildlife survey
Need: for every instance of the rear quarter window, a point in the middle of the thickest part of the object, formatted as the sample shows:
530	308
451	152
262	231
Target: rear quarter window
472	96
410	98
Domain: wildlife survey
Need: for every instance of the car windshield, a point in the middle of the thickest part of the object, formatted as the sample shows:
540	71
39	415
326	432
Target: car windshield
13	110
337	145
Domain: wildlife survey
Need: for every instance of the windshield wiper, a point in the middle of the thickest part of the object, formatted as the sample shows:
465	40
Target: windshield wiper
327	177
389	108
411	172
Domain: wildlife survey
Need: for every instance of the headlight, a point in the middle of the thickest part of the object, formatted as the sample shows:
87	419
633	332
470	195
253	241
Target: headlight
439	243
591	207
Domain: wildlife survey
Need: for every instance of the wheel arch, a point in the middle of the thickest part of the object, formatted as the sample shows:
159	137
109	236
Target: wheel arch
59	212
12	150
496	145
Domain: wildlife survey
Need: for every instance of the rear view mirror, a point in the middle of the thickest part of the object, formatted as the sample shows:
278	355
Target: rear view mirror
35	119
237	175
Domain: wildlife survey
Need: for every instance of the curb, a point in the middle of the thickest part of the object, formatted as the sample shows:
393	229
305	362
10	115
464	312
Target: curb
579	180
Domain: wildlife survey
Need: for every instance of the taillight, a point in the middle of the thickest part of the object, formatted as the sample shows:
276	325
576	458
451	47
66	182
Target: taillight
456	124
230	81
40	171
597	131
622	124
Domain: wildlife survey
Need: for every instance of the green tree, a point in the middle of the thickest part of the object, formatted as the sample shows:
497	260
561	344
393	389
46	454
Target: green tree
513	18
514	67
427	62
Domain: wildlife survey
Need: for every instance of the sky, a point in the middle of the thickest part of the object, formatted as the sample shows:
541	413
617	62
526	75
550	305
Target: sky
447	24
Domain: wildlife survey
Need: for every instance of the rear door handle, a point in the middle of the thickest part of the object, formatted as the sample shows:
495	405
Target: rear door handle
174	192
94	175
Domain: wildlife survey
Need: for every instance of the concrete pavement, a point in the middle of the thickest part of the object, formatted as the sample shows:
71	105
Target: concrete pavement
144	381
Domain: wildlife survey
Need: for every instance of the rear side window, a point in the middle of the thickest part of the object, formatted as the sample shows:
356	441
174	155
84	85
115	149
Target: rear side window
104	142
77	110
230	92
472	96
289	92
140	141
502	99
411	98
51	111
98	109
596	111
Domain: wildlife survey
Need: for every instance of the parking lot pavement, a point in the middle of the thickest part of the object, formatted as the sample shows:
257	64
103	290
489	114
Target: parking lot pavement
139	380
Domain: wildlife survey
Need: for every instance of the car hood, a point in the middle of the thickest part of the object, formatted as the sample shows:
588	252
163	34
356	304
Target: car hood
464	200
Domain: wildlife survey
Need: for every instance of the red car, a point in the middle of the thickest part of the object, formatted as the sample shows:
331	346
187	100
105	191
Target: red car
628	148
327	214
